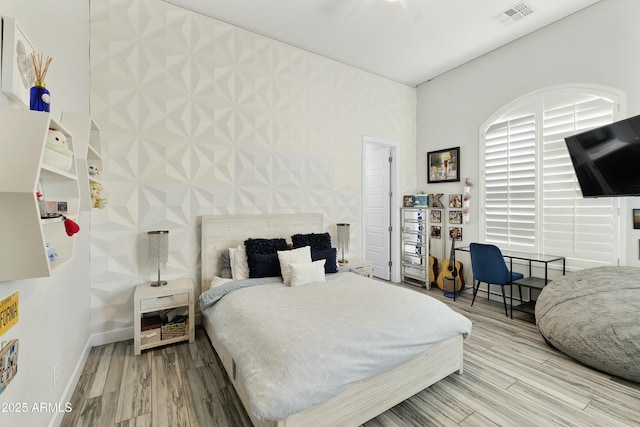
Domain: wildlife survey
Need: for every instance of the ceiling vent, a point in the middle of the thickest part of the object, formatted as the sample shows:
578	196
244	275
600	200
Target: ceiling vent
514	13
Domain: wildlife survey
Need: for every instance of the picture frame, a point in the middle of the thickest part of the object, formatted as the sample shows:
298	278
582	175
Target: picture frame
443	165
636	219
455	201
18	74
408	201
421	200
436	232
451	229
455	216
435	216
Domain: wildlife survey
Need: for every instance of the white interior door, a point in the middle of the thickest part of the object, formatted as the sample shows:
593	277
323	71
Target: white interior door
378	211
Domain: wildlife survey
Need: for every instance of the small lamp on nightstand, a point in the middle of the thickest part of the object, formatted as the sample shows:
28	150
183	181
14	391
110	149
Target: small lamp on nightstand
158	252
343	239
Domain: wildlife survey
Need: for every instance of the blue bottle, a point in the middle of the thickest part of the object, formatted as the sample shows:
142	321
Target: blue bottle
40	98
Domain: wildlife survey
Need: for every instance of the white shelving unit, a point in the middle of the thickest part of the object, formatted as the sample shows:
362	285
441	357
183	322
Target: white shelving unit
88	149
414	246
24	234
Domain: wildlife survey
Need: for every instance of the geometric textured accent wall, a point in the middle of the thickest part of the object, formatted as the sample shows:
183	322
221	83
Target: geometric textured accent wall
200	117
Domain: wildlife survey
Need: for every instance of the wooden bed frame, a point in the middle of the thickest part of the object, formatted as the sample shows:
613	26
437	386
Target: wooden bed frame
363	400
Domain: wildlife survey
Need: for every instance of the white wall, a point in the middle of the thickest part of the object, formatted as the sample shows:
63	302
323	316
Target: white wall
598	46
201	117
53	327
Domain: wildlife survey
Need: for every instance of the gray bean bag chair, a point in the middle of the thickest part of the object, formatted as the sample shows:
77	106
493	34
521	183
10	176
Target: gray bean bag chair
593	316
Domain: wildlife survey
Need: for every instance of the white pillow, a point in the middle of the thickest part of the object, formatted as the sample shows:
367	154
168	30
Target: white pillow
299	255
305	273
219	281
239	263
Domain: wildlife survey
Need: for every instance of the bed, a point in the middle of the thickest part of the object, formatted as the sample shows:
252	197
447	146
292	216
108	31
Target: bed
367	388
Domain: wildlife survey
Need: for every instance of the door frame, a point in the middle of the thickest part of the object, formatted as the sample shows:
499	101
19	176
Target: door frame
394	146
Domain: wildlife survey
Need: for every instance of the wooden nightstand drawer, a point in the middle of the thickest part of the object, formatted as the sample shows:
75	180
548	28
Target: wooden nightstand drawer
166	301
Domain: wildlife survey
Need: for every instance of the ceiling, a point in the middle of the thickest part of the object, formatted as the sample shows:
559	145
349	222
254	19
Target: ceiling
409	41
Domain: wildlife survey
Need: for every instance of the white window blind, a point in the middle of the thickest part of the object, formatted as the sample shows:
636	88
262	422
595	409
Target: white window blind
531	197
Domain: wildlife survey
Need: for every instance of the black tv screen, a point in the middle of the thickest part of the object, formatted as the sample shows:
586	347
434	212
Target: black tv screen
607	159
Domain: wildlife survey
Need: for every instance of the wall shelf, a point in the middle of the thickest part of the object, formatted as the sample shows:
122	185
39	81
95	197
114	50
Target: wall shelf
23	252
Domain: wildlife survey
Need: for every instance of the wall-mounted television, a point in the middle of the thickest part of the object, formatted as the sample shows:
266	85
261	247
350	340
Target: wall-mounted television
607	159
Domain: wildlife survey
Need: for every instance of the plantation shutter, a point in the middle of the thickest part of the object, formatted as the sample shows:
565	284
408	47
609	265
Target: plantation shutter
582	230
530	194
510	182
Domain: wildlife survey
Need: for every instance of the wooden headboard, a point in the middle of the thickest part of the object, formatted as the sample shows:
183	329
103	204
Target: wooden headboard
221	232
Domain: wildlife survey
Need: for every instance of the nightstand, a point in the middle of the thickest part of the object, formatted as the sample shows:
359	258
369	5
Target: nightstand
149	301
358	266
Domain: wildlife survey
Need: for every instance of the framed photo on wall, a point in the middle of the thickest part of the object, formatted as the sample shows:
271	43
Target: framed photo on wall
18	74
451	232
455	200
436	231
443	165
636	219
455	217
435	216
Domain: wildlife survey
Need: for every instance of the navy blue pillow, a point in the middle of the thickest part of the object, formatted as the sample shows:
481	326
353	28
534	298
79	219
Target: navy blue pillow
255	247
264	265
317	241
330	256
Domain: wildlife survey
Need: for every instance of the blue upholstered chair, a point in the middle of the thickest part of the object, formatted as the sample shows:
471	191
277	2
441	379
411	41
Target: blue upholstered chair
489	266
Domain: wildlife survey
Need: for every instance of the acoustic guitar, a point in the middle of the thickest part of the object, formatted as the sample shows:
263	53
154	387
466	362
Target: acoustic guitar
451	269
433	269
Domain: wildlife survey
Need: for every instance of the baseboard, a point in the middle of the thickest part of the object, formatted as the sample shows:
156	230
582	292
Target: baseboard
103	338
56	420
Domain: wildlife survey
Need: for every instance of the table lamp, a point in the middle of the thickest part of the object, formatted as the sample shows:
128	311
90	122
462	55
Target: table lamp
158	252
343	239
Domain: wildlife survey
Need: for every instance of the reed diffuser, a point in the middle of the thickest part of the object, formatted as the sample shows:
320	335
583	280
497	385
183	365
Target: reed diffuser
40	98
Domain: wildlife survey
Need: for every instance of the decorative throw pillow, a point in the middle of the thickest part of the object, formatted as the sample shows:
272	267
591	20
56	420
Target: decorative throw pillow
299	255
262	247
239	263
225	264
317	241
306	273
330	255
264	265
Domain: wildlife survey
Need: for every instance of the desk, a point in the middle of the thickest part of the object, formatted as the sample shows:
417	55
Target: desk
528	282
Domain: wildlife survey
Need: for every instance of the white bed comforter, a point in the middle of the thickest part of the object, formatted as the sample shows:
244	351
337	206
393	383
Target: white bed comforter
299	346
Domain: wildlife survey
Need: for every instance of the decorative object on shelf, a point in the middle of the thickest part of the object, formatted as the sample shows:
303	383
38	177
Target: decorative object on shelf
408	201
70	226
421	200
434	200
97	201
94	171
443	165
158	252
52	253
57	153
18	74
343	232
42	204
39	99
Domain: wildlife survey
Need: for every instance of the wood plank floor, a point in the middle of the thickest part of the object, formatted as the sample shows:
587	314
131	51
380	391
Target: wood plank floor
511	378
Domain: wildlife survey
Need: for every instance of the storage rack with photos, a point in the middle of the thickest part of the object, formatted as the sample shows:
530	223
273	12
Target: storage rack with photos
414	246
25	234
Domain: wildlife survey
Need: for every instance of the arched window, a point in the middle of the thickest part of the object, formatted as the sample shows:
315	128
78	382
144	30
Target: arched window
529	194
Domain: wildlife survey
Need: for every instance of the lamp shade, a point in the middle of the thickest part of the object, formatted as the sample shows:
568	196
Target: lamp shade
158	253
343	237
